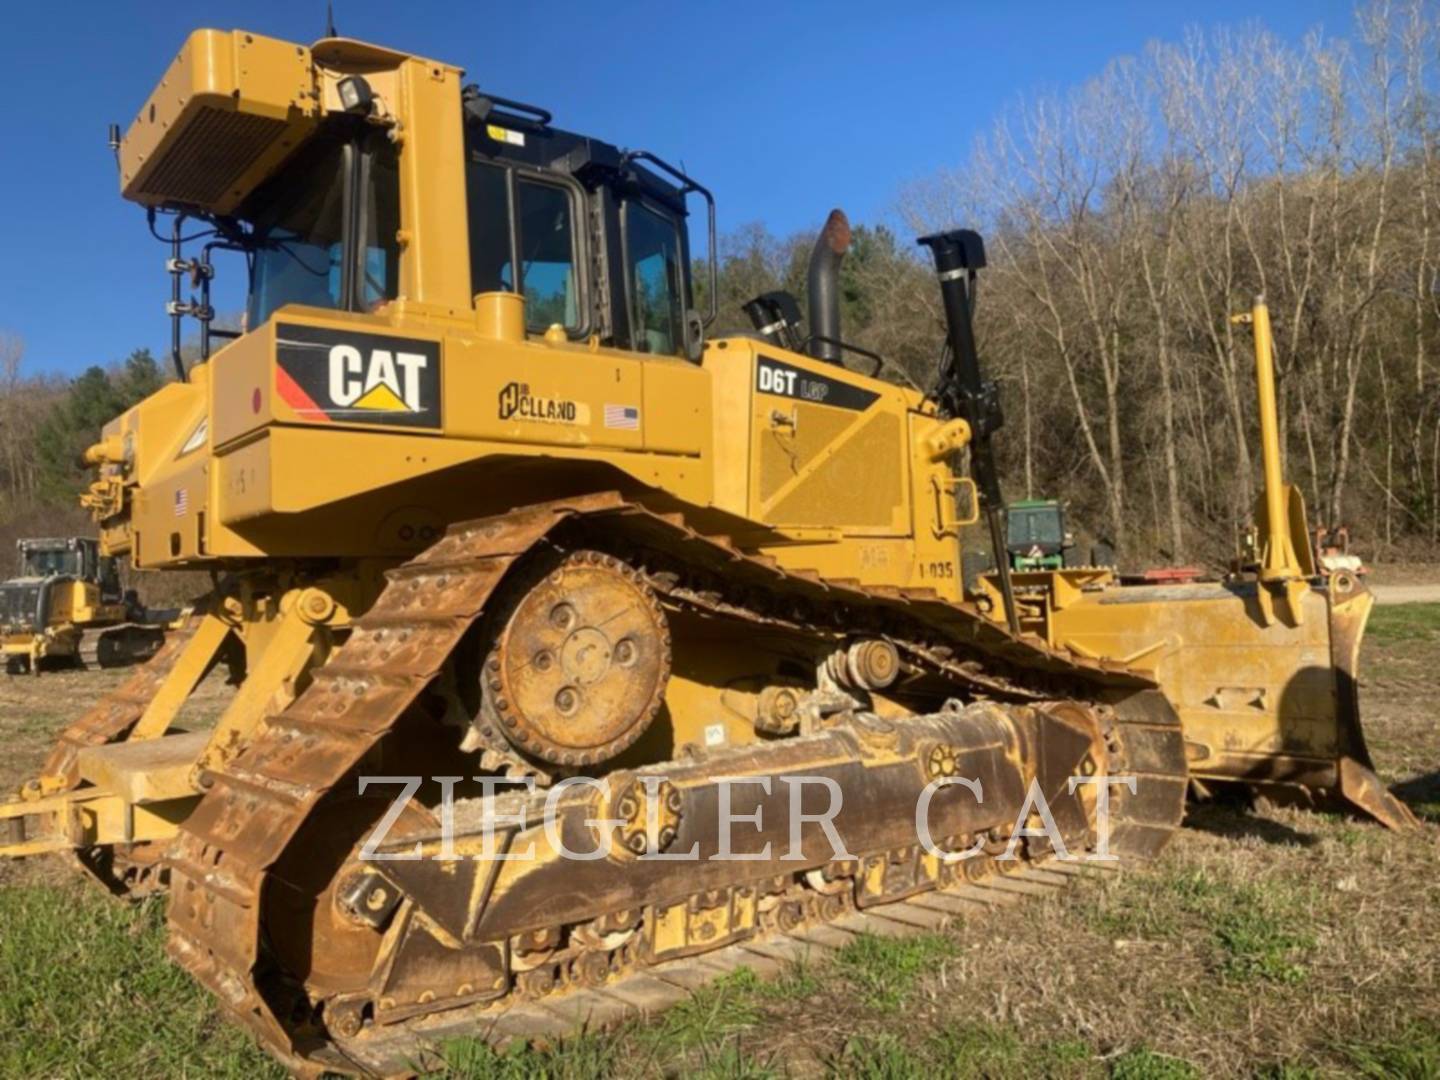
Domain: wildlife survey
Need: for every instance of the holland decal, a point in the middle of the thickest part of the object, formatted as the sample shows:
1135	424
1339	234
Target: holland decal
786	380
328	375
517	402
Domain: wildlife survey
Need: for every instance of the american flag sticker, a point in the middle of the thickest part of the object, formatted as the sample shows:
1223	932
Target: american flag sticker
622	417
182	501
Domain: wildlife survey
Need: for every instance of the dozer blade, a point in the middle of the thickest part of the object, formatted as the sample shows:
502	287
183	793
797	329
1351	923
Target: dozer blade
1359	786
1265	683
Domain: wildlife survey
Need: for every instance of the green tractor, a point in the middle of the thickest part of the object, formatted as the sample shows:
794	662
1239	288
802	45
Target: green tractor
1035	536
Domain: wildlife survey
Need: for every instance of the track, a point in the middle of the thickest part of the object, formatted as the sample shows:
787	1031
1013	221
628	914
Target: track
225	858
651	990
120	645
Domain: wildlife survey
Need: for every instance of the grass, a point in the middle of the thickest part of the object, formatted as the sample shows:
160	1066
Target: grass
883	970
1255	930
574	1059
1412	1053
987	1051
1404	622
724	1008
1143	1064
88	991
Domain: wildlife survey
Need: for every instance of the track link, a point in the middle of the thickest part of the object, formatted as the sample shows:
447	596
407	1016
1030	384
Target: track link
222	861
647	991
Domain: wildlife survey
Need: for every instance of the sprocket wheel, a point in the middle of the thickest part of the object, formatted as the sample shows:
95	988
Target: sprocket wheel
577	671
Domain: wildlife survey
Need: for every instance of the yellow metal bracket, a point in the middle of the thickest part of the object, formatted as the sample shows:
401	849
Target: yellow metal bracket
85	818
298	641
196	659
947	439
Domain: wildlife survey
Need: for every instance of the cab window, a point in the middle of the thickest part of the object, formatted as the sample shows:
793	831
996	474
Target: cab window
514	219
380	251
301	228
299	233
488	204
653	250
547	255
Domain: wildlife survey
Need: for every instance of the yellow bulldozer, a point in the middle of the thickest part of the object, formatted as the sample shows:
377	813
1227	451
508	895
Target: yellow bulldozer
577	649
66	605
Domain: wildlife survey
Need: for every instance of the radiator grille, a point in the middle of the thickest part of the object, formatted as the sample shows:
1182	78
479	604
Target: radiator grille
206	159
19	605
859	484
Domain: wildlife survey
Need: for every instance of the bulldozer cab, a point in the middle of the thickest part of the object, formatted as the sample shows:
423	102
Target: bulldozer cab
49	558
593	239
74	557
595	242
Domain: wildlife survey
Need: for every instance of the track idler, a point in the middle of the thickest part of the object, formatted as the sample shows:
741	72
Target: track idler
533	891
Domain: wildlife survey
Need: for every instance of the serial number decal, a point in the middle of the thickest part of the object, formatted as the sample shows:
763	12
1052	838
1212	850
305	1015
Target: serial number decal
516	402
777	377
326	374
943	568
874	557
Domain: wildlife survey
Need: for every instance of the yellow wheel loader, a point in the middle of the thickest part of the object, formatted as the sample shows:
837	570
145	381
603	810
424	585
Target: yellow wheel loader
585	655
67	605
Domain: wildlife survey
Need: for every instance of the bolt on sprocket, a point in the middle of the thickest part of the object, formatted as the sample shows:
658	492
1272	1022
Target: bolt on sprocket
577	669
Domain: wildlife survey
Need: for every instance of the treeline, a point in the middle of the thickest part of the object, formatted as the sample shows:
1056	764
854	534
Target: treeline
46	422
1127	220
1132	217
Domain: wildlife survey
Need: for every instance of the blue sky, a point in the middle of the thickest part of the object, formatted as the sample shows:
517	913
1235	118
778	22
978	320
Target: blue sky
783	109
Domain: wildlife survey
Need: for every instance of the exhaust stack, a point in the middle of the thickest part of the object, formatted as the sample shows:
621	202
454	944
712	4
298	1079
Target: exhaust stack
824	287
964	391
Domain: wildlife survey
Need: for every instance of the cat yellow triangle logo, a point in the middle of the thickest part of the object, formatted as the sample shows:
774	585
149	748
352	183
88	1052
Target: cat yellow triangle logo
381	399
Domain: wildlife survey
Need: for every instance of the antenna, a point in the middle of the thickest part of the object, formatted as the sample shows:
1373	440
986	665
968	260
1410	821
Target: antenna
330	30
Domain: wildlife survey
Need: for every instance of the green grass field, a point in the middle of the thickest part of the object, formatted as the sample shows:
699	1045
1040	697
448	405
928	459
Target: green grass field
1273	943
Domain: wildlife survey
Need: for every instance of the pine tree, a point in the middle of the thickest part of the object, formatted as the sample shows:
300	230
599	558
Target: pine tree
74	423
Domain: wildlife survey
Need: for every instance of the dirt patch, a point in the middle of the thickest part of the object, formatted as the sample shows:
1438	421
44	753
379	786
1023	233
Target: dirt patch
1406	594
1401	573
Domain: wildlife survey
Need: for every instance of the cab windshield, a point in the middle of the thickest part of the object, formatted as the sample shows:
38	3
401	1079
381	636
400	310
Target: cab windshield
1030	527
46	562
300	223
